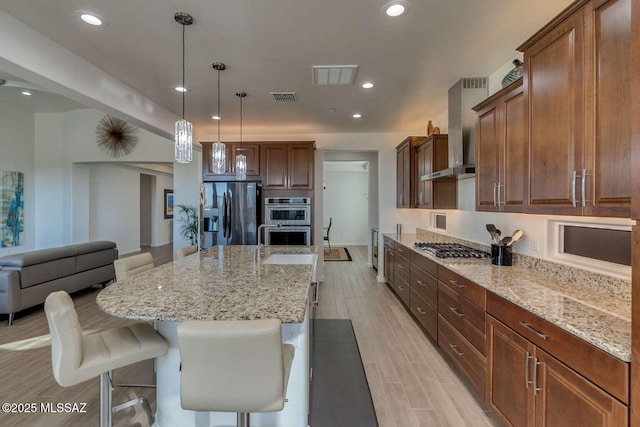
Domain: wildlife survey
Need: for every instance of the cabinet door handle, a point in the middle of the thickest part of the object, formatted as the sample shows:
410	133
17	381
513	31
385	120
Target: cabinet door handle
420	282
499	194
420	198
530	329
535	376
421	310
584	187
456	283
401	267
495	189
400	288
455	349
456	312
573	189
527	357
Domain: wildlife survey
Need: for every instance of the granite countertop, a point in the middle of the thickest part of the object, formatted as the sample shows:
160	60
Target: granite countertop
596	316
219	283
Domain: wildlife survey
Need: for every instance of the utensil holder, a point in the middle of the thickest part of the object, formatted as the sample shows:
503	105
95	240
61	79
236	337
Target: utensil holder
501	255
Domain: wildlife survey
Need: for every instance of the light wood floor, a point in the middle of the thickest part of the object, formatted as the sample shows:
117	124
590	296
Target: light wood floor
410	382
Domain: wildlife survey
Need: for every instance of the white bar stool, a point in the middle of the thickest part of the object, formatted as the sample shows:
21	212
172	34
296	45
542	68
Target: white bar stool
234	366
77	358
186	251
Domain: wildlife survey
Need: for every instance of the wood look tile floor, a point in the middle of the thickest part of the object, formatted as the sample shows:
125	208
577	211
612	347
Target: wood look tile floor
410	382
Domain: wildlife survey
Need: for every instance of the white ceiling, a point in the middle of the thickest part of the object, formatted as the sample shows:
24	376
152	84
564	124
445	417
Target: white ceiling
271	45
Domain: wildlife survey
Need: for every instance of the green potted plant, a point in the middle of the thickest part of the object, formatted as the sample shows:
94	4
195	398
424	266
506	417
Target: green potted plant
188	222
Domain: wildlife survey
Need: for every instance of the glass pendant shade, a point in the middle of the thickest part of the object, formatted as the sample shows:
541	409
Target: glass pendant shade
184	141
218	157
241	167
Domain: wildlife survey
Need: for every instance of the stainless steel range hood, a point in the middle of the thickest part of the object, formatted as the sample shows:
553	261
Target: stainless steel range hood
466	93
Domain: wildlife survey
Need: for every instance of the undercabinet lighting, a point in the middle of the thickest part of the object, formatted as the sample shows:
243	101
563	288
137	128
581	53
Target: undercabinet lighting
180	89
91	19
216	117
367	85
357	115
26	93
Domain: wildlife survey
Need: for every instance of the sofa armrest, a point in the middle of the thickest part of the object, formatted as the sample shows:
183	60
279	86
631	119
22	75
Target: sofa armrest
10	292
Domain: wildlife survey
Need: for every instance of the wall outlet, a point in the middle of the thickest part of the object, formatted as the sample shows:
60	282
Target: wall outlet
533	243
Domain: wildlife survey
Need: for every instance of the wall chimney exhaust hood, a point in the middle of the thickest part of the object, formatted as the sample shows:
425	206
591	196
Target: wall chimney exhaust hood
463	95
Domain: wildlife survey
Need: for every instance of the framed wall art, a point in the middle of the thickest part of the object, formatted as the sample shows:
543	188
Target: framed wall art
168	204
11	208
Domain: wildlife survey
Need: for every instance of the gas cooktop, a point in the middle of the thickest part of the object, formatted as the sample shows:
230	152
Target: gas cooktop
451	250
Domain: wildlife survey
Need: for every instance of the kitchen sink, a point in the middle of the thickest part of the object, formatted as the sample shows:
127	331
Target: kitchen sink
291	259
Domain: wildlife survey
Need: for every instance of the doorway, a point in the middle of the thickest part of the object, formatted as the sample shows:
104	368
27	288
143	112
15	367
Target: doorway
146	209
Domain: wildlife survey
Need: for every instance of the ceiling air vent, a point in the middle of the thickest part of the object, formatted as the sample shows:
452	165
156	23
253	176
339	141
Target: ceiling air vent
283	96
324	75
475	82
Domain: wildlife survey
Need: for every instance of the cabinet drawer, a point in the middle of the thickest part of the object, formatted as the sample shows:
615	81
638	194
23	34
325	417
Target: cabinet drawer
402	289
468	289
465	316
402	267
403	251
425	313
607	371
390	243
424	263
463	355
424	284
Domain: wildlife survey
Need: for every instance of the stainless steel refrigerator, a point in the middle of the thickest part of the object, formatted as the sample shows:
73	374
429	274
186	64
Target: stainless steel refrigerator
230	213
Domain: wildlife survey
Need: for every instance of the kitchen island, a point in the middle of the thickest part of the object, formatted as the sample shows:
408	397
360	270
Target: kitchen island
223	283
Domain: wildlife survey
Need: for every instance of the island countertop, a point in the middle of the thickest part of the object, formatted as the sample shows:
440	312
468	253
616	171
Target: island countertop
219	283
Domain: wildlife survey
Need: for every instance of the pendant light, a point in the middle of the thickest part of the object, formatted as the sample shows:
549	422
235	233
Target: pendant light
218	150
184	129
241	159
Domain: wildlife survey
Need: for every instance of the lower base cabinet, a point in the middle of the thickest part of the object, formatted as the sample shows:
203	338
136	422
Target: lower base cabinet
528	387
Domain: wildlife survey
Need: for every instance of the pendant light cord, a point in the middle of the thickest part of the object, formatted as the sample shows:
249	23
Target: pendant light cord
241	123
184	89
219	116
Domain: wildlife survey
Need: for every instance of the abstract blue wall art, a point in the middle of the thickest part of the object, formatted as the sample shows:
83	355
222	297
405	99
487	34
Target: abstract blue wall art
11	208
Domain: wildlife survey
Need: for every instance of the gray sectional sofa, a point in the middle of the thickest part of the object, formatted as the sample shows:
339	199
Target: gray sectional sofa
27	278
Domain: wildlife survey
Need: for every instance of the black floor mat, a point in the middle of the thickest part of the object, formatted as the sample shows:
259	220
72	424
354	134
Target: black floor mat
340	395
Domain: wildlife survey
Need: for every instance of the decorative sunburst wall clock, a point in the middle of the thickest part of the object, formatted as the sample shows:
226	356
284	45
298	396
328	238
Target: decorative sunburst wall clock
116	137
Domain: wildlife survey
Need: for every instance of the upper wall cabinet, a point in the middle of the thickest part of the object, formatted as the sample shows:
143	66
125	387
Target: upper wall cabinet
501	151
431	155
404	171
251	150
287	166
576	84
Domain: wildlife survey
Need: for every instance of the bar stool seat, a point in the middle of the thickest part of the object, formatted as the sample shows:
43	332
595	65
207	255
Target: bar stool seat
77	358
186	251
131	265
234	366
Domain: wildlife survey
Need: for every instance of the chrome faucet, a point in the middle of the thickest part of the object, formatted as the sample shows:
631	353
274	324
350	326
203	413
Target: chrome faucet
261	226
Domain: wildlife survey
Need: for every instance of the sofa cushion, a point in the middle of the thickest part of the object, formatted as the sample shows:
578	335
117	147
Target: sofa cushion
98	245
93	260
45	272
36	257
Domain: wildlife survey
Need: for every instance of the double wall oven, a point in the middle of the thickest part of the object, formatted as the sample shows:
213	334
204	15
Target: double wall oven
292	215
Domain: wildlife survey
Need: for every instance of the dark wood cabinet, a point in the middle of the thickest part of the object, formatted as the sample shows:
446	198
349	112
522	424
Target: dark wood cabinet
501	151
287	166
389	262
577	88
251	150
402	273
424	293
527	386
607	153
431	155
403	172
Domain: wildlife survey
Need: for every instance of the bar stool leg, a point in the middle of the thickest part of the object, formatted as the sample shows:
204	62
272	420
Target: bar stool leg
105	399
243	419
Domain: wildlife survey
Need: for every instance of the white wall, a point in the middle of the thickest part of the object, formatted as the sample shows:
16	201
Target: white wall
16	154
346	201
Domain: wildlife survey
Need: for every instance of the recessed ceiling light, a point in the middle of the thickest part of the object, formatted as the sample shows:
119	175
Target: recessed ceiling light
367	85
357	115
26	93
395	8
91	18
180	89
216	118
